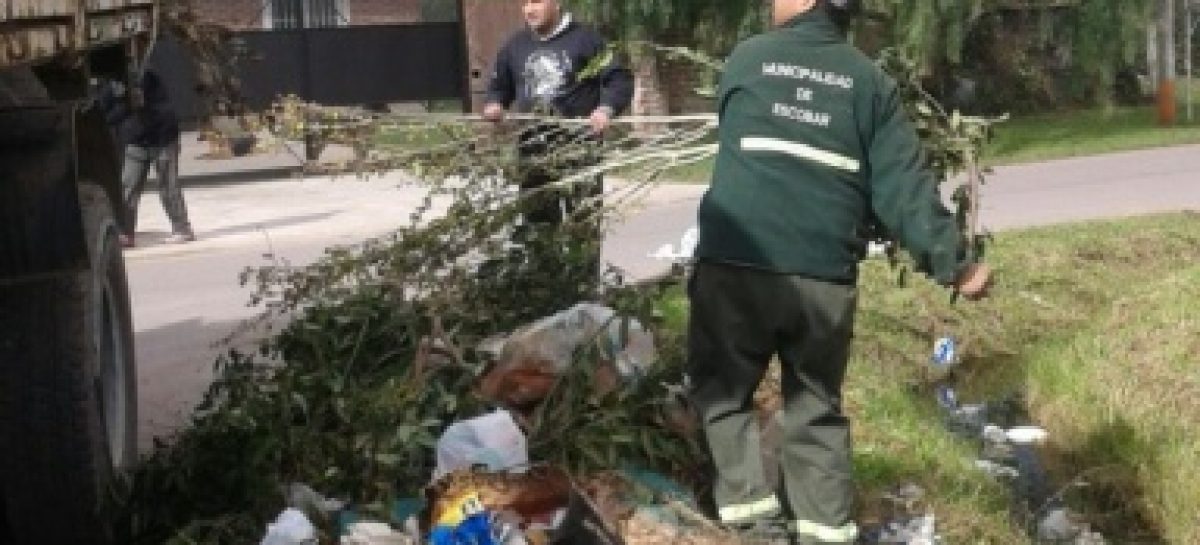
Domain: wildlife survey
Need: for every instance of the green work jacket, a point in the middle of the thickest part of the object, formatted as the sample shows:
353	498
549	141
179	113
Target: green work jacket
814	147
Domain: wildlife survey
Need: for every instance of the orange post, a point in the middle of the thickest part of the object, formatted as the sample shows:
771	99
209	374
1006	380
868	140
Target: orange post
1166	87
1167	108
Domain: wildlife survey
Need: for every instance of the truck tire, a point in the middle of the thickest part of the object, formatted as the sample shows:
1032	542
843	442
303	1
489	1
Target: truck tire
68	416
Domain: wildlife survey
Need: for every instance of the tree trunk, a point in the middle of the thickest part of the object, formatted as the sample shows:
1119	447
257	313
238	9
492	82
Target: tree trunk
1152	66
1189	50
650	96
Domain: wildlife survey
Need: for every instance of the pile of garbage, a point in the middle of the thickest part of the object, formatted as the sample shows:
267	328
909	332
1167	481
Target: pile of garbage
486	489
1009	451
540	506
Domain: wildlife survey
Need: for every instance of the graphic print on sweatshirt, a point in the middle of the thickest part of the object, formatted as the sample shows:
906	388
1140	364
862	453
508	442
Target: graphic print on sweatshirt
547	74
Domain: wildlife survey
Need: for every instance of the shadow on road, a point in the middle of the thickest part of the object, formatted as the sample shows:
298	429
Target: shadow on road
277	223
158	238
175	368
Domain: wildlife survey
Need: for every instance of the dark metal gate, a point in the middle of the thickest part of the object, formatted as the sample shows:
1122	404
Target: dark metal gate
364	65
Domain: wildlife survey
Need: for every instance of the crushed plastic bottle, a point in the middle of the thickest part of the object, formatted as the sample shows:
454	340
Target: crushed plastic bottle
945	352
947	398
1027	435
969	421
999	471
995	434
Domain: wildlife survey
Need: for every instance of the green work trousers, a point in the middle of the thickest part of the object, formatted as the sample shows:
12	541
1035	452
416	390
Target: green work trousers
741	317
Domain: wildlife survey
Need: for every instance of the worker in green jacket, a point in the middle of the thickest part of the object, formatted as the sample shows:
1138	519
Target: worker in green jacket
814	144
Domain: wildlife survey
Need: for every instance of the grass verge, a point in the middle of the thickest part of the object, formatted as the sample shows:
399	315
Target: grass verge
1085	132
1094	325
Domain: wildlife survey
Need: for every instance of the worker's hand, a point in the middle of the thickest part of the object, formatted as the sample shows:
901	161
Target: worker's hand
601	119
975	281
493	112
117	88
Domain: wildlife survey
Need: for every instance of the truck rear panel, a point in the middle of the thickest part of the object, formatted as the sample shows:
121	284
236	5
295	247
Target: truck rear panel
34	31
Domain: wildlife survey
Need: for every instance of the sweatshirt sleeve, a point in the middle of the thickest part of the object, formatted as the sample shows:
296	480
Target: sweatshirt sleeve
502	86
904	192
616	81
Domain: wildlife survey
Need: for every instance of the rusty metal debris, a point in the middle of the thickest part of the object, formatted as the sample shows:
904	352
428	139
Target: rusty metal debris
37	31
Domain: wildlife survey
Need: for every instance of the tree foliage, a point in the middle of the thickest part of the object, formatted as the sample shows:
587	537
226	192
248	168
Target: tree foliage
709	25
1026	54
1106	35
1022	53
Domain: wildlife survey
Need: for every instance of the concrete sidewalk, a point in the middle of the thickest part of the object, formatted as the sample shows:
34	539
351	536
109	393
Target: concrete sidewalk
194	167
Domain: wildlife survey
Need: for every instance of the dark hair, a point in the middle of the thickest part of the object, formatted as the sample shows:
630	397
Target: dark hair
842	12
851	7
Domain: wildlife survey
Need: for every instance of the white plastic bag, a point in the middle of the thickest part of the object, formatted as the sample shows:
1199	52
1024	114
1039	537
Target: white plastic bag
493	440
374	533
291	528
687	247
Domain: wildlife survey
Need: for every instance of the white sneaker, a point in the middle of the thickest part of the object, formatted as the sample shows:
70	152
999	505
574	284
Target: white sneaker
180	238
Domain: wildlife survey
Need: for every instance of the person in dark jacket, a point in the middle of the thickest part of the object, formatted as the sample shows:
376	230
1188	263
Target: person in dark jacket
540	67
813	145
148	130
560	67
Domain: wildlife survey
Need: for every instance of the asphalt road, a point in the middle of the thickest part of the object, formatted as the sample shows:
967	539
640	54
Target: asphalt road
187	298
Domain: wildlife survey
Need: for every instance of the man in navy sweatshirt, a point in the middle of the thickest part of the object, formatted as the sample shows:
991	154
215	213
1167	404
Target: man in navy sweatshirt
539	68
547	68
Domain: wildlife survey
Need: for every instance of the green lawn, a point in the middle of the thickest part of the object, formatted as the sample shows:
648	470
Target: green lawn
1085	132
1095	326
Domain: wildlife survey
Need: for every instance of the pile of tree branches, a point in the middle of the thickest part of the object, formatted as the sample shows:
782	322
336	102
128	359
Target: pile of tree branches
380	351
